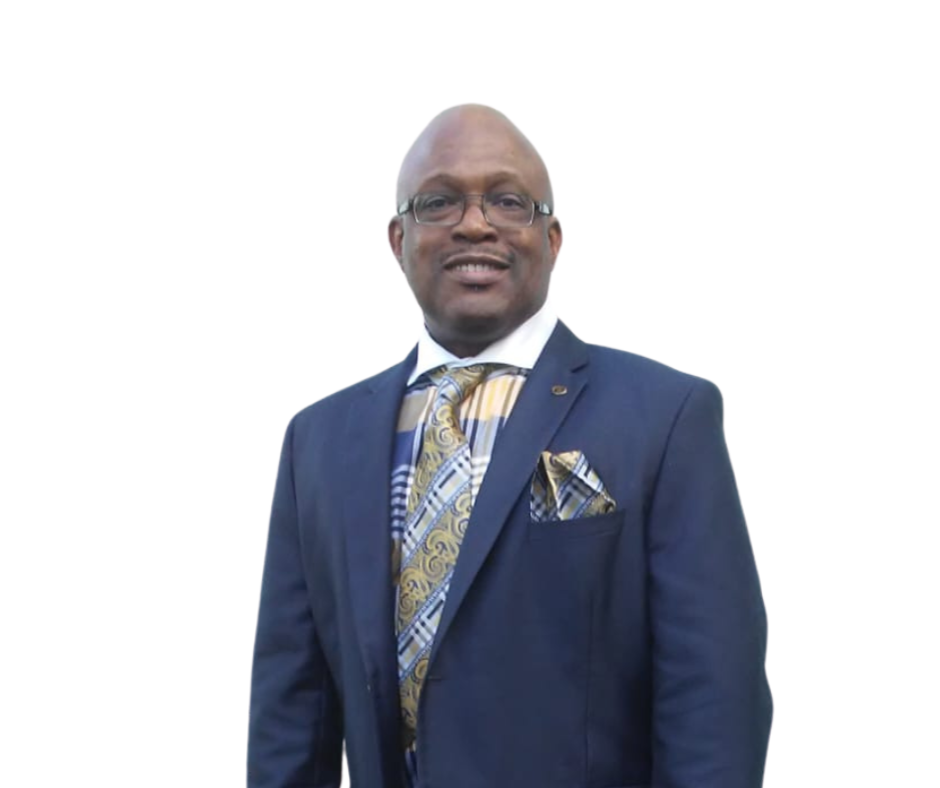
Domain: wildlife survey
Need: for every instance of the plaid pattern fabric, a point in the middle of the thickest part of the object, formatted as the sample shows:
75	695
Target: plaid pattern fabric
437	472
565	487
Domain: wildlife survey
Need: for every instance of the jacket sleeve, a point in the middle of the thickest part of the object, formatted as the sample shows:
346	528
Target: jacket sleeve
295	725
712	706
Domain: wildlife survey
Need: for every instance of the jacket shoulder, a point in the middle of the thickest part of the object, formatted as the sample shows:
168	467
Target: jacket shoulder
332	408
622	367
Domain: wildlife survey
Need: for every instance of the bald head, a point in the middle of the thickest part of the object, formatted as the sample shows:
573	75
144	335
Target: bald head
464	134
475	281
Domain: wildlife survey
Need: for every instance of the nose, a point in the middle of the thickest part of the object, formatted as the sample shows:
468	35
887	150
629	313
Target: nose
473	225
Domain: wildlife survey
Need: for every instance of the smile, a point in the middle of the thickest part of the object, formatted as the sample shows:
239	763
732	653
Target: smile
476	270
473	268
475	263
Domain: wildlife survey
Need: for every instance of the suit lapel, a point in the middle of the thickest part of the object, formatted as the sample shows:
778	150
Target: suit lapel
552	387
367	469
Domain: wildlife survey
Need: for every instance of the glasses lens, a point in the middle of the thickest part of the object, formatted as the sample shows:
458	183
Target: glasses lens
438	208
509	210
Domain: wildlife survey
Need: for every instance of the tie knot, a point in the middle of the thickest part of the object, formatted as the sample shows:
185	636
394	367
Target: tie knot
456	384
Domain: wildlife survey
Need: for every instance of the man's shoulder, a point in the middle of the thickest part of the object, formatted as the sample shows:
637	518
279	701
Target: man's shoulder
621	370
651	388
334	406
627	366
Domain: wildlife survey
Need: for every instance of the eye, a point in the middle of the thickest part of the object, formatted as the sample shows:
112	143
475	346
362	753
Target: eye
509	202
435	202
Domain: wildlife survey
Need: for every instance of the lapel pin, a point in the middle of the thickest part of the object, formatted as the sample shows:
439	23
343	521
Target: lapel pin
559	391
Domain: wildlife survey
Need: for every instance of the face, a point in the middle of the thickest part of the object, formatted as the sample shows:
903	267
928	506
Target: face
474	282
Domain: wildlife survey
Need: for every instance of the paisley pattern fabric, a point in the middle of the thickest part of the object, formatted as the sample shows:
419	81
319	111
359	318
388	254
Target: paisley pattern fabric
566	487
447	426
438	510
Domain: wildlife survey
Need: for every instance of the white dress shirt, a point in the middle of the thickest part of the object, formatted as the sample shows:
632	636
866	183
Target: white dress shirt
521	348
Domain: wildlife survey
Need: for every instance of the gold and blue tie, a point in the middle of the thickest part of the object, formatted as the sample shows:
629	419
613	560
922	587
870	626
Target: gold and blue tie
436	517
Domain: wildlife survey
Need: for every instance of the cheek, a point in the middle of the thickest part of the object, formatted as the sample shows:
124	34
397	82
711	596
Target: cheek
418	249
538	255
417	265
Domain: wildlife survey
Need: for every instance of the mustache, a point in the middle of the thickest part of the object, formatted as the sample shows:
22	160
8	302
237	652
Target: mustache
448	258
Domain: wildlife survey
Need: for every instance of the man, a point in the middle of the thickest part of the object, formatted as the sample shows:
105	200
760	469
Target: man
513	560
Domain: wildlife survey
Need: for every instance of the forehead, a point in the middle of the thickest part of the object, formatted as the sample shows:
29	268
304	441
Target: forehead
473	156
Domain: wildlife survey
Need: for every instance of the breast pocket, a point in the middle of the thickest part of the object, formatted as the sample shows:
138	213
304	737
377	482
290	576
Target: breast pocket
562	568
600	525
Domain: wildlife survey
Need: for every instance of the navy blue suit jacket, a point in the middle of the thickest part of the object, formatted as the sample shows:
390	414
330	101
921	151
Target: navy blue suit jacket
620	650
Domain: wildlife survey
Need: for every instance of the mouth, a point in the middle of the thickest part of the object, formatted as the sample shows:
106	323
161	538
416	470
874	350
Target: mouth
477	272
475	264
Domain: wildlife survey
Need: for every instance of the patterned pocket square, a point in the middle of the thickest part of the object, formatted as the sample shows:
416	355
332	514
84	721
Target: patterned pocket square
566	487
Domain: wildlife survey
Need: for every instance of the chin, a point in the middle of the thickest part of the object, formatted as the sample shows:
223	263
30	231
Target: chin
471	329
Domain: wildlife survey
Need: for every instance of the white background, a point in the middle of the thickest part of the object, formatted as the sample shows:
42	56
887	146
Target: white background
193	203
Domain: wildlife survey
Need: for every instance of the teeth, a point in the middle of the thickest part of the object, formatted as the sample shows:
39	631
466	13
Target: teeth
475	267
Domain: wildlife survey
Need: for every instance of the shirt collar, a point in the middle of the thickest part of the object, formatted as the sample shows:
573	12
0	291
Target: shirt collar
521	348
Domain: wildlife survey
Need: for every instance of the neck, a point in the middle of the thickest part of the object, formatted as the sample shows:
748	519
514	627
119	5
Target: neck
477	336
463	349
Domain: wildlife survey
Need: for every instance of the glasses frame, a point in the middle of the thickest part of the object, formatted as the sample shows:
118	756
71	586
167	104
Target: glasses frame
538	209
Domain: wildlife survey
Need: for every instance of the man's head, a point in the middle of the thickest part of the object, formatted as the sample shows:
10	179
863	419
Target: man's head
475	282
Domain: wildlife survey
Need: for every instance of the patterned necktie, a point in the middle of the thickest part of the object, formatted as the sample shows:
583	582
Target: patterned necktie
436	519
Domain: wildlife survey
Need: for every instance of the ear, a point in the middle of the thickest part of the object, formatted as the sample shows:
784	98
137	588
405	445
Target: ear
554	237
396	232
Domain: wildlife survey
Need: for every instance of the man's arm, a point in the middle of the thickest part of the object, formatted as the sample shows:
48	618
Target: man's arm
711	703
295	731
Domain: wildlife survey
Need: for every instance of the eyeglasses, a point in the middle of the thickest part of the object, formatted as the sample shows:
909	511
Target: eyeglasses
504	209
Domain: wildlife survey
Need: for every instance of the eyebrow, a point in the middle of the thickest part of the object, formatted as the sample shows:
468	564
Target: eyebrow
497	178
